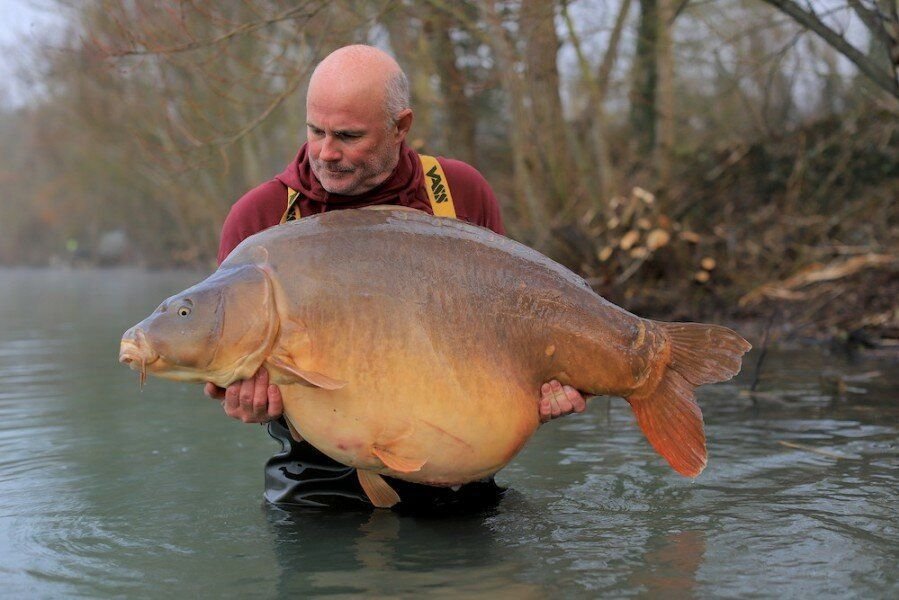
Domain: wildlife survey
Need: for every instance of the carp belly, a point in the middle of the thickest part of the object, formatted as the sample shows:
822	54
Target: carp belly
441	398
416	429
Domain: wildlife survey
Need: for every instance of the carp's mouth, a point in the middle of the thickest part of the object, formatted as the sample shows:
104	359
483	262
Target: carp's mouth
137	354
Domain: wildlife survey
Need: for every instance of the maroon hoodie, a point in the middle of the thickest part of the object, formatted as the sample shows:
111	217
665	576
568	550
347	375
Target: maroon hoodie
263	206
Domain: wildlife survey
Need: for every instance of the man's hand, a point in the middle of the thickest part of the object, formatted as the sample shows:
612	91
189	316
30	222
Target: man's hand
559	400
250	400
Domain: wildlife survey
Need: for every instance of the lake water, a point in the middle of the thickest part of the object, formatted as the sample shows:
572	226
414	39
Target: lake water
109	491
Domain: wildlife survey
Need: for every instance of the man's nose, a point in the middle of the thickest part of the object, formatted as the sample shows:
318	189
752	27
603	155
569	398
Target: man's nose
330	151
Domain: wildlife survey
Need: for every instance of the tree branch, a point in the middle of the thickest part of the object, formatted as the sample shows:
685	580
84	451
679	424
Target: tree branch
608	60
291	13
875	72
678	10
875	22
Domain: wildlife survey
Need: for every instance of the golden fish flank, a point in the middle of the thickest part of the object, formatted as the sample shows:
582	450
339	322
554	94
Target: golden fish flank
412	346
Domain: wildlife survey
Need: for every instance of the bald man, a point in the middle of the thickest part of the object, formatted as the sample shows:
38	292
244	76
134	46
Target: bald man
358	116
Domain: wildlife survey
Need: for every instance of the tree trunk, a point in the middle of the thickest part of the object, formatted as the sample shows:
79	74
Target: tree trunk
664	151
645	79
413	46
524	156
537	22
460	125
597	88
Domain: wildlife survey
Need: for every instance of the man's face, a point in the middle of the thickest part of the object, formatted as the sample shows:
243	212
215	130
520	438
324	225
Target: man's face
351	149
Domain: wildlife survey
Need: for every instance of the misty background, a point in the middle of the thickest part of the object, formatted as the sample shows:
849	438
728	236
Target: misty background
728	159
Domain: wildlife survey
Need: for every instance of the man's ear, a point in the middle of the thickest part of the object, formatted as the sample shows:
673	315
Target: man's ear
403	124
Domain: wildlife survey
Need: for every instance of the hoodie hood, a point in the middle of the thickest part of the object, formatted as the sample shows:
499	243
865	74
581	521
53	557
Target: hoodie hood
404	187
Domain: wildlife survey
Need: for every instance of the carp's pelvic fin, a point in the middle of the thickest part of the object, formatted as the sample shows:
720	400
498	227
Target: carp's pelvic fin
667	412
401	464
377	490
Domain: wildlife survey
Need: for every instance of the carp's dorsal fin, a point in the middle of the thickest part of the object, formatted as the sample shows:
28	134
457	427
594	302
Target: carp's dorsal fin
400	464
378	491
289	373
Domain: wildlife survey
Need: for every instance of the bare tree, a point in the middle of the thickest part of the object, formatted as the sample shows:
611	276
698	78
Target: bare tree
550	133
664	149
460	122
595	80
644	78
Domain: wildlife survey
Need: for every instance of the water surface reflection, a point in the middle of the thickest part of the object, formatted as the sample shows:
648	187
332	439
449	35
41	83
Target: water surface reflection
384	554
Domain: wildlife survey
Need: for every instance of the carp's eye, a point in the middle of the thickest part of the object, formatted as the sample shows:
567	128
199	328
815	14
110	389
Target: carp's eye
184	311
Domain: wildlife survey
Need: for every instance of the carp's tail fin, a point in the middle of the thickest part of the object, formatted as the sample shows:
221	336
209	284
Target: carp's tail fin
665	408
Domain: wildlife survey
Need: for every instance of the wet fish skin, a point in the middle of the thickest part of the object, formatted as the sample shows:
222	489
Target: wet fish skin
415	347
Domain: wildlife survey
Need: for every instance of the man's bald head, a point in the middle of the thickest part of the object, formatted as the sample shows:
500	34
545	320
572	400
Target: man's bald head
364	74
357	117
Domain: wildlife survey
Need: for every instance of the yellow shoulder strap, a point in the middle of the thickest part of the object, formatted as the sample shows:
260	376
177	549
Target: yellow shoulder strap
437	187
435	184
291	213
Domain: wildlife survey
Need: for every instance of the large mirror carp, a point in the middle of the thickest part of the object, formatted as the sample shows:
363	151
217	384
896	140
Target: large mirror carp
413	346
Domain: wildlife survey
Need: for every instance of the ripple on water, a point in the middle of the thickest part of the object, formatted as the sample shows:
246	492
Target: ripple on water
81	552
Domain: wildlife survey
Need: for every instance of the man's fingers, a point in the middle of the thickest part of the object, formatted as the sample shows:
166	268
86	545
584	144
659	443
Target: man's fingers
578	402
545	409
260	394
247	387
275	403
556	409
558	400
213	391
252	400
232	398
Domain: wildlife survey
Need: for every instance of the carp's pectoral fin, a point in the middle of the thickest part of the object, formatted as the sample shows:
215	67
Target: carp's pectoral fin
292	374
400	464
378	491
293	347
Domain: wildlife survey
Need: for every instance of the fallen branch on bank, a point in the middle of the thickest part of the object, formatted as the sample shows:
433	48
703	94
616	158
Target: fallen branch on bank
788	289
